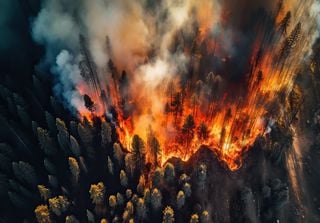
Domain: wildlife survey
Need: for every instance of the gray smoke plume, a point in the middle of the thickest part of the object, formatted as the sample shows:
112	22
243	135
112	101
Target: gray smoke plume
141	34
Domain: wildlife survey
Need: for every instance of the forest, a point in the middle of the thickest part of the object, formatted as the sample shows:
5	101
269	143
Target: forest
189	111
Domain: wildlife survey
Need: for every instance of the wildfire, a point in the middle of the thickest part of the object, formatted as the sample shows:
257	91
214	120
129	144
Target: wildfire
185	110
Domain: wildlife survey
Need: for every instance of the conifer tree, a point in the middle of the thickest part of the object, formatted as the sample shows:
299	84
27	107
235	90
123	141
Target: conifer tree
194	218
169	172
46	142
123	178
156	199
138	153
63	136
45	192
118	153
168	215
58	204
110	166
97	193
51	123
74	168
106	134
42	214
74	146
71	219
180	199
25	172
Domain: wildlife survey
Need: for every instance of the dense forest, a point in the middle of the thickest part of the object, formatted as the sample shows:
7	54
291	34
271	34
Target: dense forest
59	164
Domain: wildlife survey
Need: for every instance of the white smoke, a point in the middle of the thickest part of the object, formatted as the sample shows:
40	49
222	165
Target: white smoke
55	28
315	13
68	76
133	30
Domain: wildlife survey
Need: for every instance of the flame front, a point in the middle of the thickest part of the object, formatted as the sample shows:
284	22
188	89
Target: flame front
189	107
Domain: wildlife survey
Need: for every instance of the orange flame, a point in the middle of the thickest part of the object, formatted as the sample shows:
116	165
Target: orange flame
233	121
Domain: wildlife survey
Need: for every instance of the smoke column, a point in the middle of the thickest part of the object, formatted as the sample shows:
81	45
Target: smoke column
221	62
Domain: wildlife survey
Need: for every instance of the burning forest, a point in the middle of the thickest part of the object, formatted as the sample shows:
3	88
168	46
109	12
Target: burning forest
209	82
161	111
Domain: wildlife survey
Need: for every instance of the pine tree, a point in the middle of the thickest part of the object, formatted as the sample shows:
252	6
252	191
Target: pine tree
141	209
51	123
129	164
45	192
147	195
90	217
187	189
157	177
138	153
88	103
168	215
85	134
128	193
49	166
88	69
290	42
106	134
169	172
202	173
46	142
141	184
74	129
112	201
83	165
110	165
123	178
103	220
120	199
118	153
71	219
74	168
285	23
97	193
74	146
58	205
204	218
156	199
127	214
180	199
203	132
188	129
155	149
184	178
42	214
194	218
63	136
25	172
